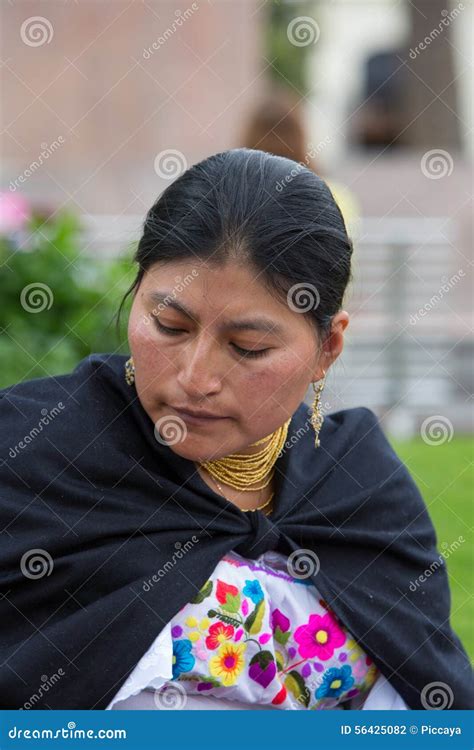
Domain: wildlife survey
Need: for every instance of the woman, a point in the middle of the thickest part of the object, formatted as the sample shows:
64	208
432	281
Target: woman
180	530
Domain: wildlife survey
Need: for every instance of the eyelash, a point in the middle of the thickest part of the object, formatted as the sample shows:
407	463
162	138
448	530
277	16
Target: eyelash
249	353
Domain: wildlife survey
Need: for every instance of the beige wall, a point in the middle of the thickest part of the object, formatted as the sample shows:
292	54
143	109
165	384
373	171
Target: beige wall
100	108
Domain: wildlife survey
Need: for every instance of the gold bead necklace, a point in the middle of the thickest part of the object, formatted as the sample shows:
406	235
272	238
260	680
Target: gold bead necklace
242	470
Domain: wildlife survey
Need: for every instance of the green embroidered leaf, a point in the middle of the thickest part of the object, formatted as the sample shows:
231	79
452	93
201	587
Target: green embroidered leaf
232	603
297	686
280	636
262	658
225	618
253	623
280	659
203	593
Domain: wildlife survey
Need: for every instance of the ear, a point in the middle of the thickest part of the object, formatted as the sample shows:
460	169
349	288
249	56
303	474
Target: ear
332	345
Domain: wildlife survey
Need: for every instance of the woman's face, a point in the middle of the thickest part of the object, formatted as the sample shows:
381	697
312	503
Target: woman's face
216	313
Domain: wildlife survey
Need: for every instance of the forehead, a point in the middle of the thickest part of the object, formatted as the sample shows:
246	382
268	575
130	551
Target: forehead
202	291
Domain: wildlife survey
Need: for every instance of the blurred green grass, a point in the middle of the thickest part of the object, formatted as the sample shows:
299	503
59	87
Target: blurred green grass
444	475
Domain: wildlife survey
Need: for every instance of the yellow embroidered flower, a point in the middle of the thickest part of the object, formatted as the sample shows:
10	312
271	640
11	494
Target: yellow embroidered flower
228	663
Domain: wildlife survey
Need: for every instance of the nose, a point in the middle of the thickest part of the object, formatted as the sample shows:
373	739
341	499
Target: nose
198	375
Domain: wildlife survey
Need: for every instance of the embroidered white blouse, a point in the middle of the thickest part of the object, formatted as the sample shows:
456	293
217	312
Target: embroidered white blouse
256	637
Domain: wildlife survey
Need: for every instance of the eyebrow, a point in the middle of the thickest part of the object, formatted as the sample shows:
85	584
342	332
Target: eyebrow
249	324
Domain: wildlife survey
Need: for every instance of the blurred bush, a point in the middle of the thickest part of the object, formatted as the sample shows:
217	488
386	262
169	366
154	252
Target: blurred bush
57	303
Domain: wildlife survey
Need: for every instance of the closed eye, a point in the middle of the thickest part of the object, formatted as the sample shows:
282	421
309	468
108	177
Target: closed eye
252	353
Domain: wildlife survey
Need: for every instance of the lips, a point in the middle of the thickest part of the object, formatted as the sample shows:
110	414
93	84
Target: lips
196	416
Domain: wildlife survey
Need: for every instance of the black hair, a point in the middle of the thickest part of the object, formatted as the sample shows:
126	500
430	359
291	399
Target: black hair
270	213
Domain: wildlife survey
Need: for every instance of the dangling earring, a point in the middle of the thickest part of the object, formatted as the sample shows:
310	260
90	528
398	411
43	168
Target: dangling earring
317	415
130	371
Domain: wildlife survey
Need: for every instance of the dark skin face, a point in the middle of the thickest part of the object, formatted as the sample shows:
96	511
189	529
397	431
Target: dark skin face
201	365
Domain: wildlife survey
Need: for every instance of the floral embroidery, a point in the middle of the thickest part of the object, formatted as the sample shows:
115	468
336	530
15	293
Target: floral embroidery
335	682
230	641
228	663
319	637
218	633
183	660
253	590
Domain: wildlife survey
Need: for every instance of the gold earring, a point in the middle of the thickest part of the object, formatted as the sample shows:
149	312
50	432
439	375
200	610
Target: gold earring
130	371
317	415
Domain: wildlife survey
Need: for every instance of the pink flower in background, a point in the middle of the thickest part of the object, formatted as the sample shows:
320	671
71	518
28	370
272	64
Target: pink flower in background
14	212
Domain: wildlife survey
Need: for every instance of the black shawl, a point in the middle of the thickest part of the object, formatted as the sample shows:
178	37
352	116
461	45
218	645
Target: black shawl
128	533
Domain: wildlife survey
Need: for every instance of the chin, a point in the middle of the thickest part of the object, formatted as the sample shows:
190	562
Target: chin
195	453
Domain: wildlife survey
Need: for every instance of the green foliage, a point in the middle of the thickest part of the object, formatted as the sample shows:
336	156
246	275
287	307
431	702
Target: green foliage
289	63
67	312
444	476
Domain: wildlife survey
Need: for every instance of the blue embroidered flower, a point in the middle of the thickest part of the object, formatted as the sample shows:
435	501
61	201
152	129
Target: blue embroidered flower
253	590
183	660
335	681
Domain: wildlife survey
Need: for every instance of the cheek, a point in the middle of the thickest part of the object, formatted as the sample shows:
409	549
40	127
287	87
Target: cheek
149	356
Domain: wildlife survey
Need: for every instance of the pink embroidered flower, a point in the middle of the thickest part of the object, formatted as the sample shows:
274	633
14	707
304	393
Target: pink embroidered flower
219	634
320	636
279	620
